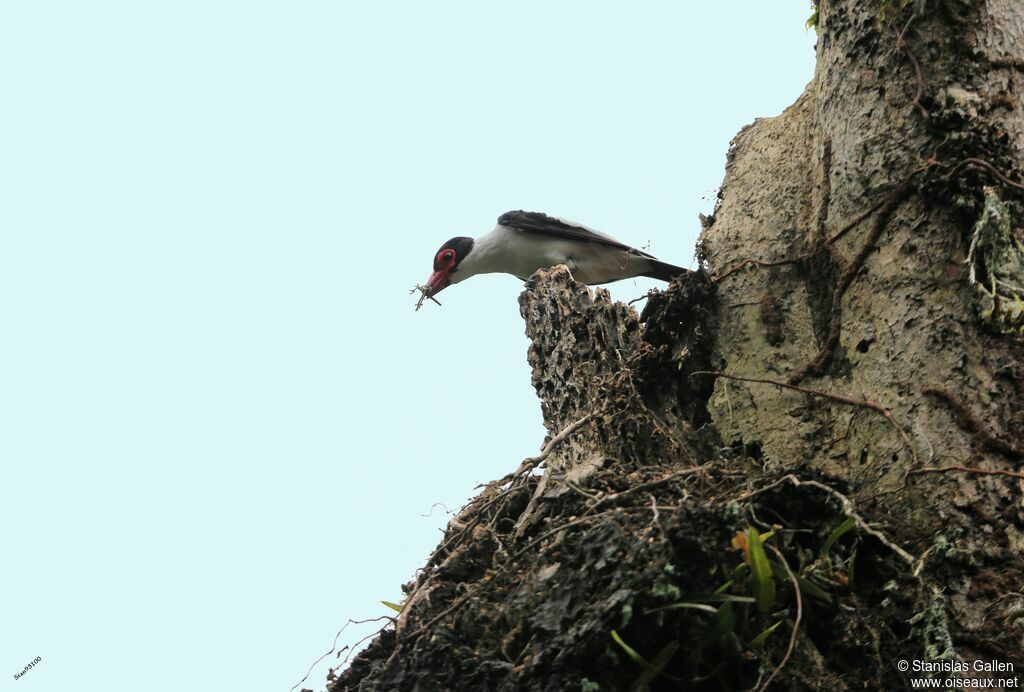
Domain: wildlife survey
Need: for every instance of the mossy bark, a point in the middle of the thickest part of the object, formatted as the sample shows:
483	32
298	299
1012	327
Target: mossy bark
829	366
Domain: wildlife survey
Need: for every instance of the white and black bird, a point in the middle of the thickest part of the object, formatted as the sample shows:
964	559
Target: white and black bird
525	241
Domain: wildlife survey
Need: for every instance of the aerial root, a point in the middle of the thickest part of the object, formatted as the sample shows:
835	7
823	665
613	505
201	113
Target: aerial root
826	395
968	421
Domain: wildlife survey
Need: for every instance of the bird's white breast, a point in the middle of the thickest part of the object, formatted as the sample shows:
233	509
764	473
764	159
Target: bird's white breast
511	251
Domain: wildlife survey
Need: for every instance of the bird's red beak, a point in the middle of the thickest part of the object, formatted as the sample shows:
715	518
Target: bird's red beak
438	281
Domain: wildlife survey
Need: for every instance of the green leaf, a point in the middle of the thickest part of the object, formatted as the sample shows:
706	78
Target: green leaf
651	670
394	606
724	587
836	534
631	652
719	598
758	641
699	602
677	606
658	665
722	624
683	605
806	585
761	570
664	656
811	589
740	571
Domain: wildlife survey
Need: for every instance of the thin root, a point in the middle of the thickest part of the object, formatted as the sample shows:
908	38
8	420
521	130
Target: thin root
848	510
966	469
796	623
826	395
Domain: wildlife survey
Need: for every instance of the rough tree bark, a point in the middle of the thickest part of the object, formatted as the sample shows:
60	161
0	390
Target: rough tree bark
844	371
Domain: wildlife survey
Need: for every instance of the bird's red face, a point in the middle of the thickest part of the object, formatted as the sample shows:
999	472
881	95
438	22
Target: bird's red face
447	261
444	262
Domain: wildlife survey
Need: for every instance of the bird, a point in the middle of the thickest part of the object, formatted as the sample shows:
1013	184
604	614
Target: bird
525	241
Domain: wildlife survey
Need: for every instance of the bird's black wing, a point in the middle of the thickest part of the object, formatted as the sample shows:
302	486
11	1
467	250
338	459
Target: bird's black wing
535	222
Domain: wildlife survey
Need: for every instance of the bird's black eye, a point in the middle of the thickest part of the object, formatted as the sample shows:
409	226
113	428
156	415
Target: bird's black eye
445	259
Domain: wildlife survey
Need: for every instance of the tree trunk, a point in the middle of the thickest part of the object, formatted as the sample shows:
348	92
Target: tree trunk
844	372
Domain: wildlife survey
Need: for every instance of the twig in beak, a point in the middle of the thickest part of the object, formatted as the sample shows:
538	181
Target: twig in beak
424	294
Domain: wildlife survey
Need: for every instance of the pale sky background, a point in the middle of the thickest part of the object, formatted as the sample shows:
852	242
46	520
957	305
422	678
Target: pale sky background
221	422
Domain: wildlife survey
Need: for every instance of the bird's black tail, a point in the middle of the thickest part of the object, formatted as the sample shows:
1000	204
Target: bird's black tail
663	271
